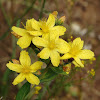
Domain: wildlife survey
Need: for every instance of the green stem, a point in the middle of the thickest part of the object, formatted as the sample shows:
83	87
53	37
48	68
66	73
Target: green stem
41	12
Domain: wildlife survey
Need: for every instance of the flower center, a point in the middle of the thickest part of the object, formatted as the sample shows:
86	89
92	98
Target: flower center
25	70
75	50
51	45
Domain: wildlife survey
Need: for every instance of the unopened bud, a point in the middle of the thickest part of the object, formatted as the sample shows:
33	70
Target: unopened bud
62	19
15	61
67	68
16	35
71	37
38	73
55	13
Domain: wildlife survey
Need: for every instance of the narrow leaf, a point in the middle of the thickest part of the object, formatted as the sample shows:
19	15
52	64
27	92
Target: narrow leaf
24	90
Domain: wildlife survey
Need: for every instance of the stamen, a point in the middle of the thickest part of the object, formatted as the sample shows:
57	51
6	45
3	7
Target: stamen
23	25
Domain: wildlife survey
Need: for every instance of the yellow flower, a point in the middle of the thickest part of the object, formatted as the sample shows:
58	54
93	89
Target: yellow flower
24	34
25	69
47	28
92	72
77	53
52	48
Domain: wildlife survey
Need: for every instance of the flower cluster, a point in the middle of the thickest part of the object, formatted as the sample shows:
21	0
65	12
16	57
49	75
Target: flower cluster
91	72
45	34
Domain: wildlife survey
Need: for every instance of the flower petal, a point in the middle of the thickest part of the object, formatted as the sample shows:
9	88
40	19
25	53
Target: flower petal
62	46
35	25
59	30
51	21
78	43
55	58
35	33
24	41
14	67
19	31
36	66
78	61
29	24
86	54
76	64
25	58
66	56
39	41
32	79
18	79
46	36
44	54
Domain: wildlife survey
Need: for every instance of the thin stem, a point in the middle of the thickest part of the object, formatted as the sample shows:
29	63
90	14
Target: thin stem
5	14
41	12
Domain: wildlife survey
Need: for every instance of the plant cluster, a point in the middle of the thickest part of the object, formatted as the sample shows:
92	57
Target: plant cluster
43	37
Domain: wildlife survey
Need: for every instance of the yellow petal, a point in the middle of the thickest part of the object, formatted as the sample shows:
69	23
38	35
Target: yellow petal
36	66
59	30
44	54
35	33
24	41
62	46
32	79
53	35
76	64
29	24
51	21
46	36
25	59
14	67
56	32
55	58
86	54
39	41
66	56
35	25
78	61
19	31
18	79
78	43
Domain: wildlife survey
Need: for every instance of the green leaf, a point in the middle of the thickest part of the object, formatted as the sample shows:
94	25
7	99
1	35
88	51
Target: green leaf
48	75
24	90
58	70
